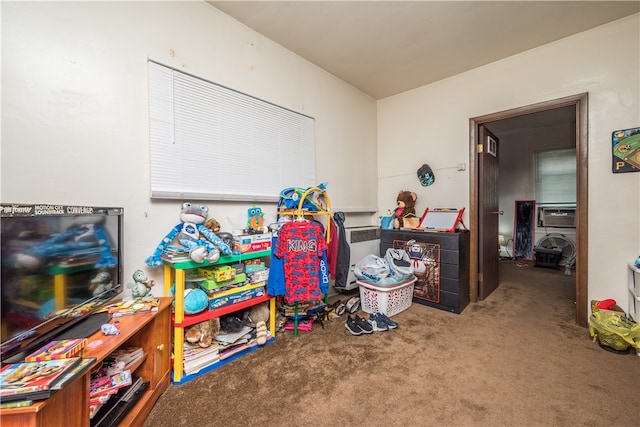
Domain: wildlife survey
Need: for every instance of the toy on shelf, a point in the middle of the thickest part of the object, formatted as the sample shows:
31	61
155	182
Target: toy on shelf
255	224
202	333
201	242
141	287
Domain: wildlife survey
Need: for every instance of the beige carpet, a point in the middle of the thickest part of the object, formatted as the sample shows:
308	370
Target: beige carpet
515	359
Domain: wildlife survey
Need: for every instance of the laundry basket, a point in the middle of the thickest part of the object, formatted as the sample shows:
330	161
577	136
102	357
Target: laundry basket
388	300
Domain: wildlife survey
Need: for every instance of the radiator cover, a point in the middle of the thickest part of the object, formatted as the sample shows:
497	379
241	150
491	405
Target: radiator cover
362	241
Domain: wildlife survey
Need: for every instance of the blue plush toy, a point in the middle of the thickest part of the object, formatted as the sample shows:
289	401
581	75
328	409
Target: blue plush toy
201	242
195	300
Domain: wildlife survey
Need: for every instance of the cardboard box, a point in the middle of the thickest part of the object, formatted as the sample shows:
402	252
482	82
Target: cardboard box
236	297
210	284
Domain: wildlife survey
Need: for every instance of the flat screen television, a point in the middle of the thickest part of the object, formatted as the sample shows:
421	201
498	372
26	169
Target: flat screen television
59	265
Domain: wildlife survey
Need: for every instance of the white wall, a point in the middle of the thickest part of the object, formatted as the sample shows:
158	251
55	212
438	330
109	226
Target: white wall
431	124
75	112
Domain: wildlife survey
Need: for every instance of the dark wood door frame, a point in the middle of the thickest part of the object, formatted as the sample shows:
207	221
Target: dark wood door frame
580	101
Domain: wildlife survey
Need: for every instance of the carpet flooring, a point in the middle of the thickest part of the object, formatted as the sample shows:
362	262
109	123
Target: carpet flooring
515	359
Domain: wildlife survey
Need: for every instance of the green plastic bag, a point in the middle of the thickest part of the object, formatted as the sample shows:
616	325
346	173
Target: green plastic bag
614	330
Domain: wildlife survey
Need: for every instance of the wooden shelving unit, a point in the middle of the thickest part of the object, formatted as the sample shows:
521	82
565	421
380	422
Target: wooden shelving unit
70	406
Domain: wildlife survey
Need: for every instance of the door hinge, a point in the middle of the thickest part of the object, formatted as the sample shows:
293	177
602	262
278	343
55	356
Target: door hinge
480	148
480	277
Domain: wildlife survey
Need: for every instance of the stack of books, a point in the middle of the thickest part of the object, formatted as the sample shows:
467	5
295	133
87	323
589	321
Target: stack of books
39	380
59	349
230	344
104	386
175	254
122	359
195	357
134	306
113	375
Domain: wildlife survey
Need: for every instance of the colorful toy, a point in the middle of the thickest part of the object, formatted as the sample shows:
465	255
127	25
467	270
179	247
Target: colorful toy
141	287
255	224
405	213
190	233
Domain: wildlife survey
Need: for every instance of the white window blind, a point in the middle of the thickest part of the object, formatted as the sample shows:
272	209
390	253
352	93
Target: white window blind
209	142
555	176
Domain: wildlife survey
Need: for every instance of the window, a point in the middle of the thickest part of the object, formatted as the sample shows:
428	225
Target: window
209	142
555	176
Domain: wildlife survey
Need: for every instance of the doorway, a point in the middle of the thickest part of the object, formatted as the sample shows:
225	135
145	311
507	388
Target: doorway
578	103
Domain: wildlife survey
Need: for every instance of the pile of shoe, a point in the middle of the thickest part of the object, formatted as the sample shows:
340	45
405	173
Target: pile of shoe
377	322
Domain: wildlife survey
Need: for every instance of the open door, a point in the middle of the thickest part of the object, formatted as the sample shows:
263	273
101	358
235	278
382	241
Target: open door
488	247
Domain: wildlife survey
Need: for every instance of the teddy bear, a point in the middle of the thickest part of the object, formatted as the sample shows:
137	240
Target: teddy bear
405	213
202	333
201	242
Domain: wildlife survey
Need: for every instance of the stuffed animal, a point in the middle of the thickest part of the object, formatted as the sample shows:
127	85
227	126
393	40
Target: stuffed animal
202	333
201	242
195	301
141	288
258	313
405	213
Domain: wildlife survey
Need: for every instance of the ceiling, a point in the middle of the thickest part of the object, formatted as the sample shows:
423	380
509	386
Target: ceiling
387	47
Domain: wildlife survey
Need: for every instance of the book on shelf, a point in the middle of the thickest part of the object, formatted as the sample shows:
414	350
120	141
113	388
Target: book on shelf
195	365
110	414
191	351
80	368
122	359
195	358
58	349
33	380
134	306
109	384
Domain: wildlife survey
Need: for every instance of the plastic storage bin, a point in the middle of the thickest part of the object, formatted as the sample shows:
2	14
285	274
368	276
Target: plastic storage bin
388	300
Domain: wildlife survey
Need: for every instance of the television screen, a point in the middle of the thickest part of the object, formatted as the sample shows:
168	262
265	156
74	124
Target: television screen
59	264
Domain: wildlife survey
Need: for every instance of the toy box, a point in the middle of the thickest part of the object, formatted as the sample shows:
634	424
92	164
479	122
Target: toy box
247	239
252	247
240	294
253	266
252	242
218	273
258	276
211	285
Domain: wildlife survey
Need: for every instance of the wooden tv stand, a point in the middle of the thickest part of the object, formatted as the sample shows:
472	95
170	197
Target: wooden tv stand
70	406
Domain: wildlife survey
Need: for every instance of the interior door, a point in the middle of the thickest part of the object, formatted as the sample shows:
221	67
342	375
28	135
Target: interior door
488	247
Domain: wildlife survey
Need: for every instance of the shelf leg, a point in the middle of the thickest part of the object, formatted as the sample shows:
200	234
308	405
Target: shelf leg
272	316
178	353
179	295
168	276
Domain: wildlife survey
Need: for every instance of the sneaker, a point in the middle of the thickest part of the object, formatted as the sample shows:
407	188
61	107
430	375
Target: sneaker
384	319
363	325
352	326
377	324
